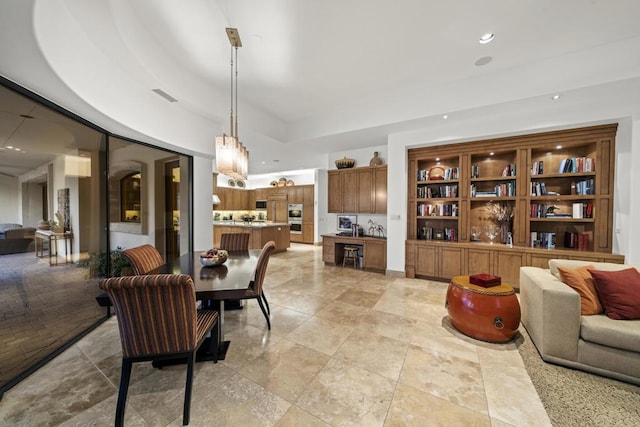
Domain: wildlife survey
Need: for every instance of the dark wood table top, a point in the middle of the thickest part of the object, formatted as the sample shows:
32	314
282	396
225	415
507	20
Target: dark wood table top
227	281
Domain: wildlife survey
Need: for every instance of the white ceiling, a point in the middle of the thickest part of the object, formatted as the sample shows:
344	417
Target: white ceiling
314	77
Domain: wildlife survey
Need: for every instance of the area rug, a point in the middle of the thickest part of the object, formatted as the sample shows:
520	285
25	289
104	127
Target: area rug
576	398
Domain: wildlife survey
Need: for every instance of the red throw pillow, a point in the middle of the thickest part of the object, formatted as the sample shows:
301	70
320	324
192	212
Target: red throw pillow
619	292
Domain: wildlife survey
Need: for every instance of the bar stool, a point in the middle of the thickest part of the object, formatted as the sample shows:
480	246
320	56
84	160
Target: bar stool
350	254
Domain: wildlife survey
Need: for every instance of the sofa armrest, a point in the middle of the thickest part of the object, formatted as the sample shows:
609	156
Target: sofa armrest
551	313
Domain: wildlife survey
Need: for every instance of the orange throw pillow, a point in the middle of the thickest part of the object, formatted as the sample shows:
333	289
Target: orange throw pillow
582	282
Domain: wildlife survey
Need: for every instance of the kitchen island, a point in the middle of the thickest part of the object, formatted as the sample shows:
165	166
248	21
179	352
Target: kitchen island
261	233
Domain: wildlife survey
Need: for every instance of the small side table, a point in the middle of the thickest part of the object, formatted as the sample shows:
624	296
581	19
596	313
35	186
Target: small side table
488	314
52	239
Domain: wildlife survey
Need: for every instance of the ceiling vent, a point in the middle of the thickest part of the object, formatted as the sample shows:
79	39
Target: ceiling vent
165	95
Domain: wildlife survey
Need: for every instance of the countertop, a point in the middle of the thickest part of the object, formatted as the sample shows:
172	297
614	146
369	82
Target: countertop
250	224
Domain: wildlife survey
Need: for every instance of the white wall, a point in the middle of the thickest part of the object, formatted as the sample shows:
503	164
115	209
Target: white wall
202	189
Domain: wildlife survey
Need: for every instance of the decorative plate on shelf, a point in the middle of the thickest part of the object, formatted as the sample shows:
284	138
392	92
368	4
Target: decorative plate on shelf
231	182
436	173
240	183
273	183
290	183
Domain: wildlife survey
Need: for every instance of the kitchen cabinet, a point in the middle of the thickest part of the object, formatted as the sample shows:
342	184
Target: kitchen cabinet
358	190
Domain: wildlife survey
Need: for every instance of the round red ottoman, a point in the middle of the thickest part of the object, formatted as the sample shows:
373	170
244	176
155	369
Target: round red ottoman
488	314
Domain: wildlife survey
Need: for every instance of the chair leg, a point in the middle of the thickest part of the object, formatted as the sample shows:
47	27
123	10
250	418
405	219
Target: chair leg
264	298
186	412
266	316
125	375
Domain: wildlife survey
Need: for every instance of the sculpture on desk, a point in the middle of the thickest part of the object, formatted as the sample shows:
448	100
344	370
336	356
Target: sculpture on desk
375	229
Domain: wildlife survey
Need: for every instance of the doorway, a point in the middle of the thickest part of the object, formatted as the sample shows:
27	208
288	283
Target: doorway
172	209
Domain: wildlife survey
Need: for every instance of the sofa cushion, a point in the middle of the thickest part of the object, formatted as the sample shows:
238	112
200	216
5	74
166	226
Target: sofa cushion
573	263
624	335
580	279
8	226
619	292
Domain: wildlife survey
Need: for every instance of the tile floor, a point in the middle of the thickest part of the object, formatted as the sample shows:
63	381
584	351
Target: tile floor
346	347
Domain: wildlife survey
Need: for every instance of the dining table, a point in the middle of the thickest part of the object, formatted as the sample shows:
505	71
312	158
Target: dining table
215	284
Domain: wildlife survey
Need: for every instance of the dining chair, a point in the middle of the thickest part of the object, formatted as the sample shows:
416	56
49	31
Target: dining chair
255	289
157	319
235	242
143	259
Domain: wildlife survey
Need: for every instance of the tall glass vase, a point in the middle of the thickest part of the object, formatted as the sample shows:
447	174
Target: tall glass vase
505	229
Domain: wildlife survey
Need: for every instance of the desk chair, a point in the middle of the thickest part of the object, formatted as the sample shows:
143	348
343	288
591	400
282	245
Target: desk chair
168	326
143	259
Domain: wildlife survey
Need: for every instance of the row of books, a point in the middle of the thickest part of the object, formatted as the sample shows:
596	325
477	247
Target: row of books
544	240
430	233
449	173
581	188
506	189
584	187
569	165
578	210
508	170
426	209
437	191
577	164
578	241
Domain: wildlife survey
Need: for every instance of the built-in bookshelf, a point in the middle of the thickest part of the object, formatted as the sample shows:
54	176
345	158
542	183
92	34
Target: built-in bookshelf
556	186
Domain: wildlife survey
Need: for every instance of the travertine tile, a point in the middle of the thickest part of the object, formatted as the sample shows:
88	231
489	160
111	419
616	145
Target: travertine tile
344	394
320	334
457	380
375	353
388	325
411	407
296	417
343	313
285	368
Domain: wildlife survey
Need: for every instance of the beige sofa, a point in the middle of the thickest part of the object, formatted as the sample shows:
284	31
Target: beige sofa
551	315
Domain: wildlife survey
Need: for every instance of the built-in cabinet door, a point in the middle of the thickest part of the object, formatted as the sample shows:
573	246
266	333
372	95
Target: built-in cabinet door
451	262
375	255
479	261
308	194
335	192
328	250
365	191
426	263
380	190
307	233
507	266
349	192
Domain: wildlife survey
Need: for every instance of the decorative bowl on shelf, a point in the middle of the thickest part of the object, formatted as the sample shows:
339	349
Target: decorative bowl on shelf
213	257
345	163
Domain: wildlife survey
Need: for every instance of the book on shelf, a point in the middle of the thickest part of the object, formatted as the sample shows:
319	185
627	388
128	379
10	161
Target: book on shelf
537	168
544	240
576	164
578	241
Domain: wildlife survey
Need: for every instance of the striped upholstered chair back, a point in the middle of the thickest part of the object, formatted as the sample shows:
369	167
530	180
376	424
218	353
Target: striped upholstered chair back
235	242
143	259
157	318
156	313
261	267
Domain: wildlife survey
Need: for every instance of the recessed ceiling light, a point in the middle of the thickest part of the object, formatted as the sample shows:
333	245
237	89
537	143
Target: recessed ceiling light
445	117
558	147
556	96
10	147
491	153
263	163
17	149
483	61
487	38
437	159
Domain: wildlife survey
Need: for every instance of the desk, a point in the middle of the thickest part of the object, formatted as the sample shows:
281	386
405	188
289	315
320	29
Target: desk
374	251
52	241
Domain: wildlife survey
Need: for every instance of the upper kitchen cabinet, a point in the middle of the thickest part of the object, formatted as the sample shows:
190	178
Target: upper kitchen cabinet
358	190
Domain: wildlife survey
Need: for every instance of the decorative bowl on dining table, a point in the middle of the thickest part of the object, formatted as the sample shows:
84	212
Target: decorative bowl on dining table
213	257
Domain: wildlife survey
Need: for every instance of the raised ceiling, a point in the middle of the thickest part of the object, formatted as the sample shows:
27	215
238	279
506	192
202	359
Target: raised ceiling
317	77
